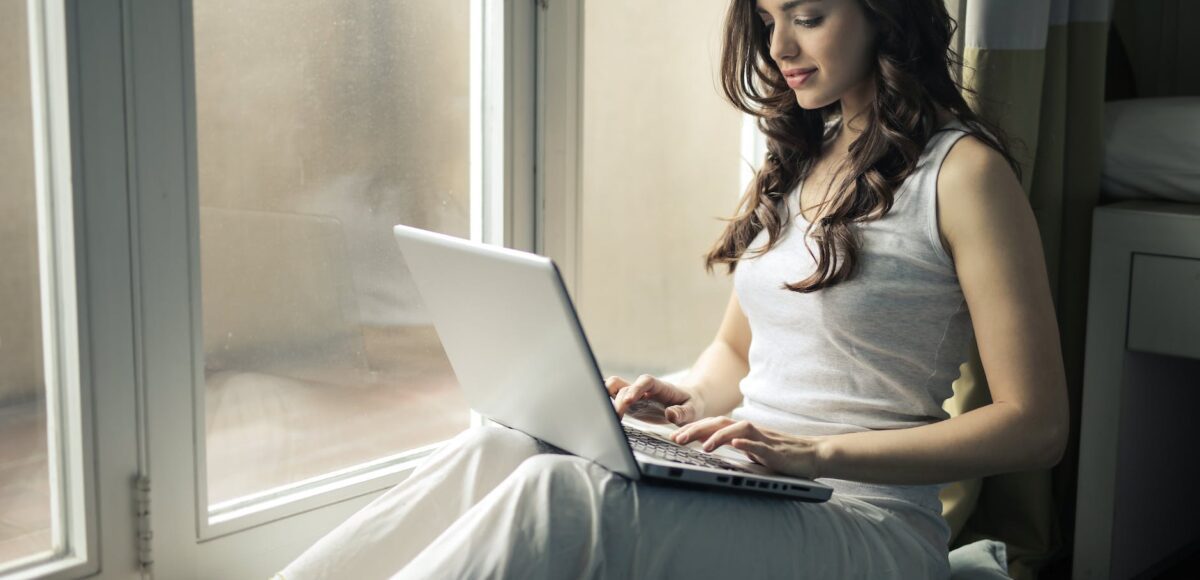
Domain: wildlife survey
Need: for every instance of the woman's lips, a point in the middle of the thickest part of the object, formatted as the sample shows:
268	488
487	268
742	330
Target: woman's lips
796	79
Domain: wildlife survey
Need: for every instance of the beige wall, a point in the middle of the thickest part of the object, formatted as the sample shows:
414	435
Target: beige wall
660	164
20	319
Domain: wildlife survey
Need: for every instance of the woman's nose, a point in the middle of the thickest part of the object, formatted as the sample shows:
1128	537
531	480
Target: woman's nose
783	47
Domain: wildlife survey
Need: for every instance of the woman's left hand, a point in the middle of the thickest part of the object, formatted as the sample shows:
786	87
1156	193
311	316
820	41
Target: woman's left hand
780	452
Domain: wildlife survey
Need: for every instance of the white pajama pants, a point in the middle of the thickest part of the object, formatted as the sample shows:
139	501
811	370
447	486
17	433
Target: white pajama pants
494	502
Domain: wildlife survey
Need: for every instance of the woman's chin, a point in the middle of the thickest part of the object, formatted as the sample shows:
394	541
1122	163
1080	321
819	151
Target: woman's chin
806	100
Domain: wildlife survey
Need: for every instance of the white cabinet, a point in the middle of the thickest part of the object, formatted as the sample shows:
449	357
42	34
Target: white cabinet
1137	504
1164	305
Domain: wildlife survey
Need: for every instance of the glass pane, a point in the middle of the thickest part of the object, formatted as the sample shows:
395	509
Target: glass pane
24	473
661	125
320	125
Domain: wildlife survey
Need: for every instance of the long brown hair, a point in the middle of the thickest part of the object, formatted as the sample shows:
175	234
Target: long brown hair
912	68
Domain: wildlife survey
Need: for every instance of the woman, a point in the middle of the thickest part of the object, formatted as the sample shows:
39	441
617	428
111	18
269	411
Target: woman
908	213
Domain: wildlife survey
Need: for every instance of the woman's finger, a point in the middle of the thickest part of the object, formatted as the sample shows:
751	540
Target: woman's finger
629	395
641	388
759	451
682	434
614	384
617	384
681	414
647	383
722	436
699	430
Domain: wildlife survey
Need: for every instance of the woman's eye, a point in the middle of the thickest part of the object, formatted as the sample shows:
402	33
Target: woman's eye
809	23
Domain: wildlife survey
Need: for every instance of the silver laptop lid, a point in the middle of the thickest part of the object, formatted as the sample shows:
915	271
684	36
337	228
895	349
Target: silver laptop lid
516	345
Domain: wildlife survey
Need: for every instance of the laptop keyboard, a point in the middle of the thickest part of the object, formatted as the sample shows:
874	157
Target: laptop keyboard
651	445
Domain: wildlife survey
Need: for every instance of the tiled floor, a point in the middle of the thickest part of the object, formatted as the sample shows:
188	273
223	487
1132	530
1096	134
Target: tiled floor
266	430
24	480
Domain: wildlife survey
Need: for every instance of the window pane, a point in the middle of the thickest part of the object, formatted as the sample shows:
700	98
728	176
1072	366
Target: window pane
320	125
24	473
660	164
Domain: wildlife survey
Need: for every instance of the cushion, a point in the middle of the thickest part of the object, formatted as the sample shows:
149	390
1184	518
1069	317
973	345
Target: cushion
1150	149
981	560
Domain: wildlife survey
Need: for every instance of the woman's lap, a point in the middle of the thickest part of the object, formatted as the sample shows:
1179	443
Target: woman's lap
495	502
560	515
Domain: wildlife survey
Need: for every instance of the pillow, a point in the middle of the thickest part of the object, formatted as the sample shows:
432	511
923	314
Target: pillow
1151	147
981	560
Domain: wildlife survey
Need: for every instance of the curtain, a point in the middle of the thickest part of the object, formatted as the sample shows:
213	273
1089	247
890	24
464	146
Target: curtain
1037	67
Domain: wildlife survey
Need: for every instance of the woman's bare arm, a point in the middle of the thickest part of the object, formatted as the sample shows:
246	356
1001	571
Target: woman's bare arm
993	236
720	367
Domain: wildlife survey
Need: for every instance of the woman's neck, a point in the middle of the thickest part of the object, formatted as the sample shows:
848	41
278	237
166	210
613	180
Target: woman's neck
852	125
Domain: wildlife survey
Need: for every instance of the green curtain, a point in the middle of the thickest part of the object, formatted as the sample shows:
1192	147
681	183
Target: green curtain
1037	67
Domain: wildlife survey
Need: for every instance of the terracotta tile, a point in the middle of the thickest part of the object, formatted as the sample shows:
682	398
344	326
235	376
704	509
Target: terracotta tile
23	430
270	429
24	479
27	511
15	547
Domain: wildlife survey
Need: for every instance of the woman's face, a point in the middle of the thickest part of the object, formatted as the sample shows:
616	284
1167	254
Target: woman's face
823	48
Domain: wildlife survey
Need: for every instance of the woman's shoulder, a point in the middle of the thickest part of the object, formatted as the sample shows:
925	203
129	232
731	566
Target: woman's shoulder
976	182
970	158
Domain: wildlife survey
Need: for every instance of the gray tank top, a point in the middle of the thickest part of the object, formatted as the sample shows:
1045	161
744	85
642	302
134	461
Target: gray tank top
878	351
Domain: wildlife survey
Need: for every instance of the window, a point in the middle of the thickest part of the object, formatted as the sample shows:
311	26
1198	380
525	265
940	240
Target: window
46	515
25	501
319	126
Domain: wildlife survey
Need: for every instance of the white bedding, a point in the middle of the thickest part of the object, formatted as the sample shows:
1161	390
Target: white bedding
1152	149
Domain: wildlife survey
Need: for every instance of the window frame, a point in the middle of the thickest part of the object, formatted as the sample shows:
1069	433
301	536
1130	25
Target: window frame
70	451
131	161
166	259
559	132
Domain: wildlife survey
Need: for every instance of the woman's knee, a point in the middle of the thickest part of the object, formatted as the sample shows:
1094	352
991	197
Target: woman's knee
565	476
551	464
498	439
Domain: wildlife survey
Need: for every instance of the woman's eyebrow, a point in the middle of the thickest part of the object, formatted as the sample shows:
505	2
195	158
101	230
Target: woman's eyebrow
788	5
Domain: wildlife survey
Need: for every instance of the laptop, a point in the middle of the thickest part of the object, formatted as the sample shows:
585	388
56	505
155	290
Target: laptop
515	342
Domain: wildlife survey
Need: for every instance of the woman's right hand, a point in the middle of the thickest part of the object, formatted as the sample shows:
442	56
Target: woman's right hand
682	406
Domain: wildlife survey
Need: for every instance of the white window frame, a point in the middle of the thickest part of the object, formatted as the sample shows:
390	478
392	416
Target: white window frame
163	262
68	413
134	188
559	132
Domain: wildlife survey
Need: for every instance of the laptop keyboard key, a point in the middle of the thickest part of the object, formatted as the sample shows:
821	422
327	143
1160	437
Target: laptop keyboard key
651	445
